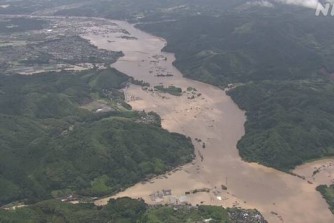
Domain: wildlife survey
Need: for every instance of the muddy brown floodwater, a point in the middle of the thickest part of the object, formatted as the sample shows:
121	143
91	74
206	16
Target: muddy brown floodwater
209	115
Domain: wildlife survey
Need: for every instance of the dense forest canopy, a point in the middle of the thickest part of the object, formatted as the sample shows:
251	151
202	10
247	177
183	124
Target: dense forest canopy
52	147
126	210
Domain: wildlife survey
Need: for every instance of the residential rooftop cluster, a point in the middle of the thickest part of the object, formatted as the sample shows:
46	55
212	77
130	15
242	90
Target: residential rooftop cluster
49	45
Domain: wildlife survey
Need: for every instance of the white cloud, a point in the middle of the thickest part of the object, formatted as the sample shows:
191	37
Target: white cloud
261	3
304	3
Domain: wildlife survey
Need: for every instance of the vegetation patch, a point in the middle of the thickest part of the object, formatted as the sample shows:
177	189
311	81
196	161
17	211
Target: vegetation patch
328	194
140	83
128	211
176	91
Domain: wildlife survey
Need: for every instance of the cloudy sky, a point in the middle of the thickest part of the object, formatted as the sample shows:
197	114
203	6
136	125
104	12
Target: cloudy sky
305	3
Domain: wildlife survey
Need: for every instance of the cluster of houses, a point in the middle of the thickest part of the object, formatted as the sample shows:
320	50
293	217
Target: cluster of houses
165	196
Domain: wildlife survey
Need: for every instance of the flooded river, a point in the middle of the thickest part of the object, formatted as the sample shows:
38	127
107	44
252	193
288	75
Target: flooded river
208	115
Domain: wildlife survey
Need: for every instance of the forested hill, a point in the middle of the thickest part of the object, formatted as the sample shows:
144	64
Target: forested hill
289	122
249	47
54	144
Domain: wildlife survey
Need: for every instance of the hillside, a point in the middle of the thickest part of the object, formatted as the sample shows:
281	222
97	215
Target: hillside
288	122
248	47
53	146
